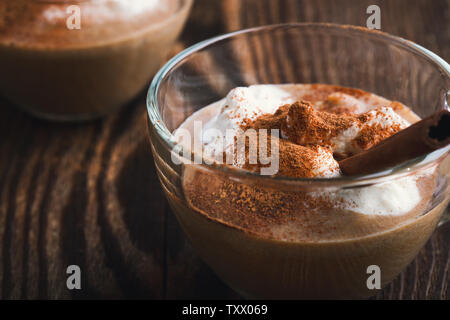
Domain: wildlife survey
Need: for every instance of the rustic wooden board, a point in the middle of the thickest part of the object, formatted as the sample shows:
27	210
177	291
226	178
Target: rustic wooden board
88	194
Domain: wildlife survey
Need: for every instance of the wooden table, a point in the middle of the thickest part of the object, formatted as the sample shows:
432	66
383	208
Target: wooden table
88	194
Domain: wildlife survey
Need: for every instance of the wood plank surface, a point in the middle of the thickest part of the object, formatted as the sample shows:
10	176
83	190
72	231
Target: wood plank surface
87	194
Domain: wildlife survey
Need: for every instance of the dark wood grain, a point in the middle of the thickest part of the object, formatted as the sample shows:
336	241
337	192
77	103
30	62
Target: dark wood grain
88	194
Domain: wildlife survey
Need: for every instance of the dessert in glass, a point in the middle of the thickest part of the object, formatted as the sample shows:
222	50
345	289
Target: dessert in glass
295	225
79	60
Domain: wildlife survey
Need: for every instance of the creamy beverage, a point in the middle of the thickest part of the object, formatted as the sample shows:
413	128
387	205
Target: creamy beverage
54	69
340	215
320	242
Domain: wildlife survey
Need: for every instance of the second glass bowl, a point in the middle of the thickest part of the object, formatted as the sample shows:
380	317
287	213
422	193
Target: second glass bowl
84	59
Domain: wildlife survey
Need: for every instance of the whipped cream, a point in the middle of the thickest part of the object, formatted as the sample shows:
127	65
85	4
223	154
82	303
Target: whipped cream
241	103
392	198
385	118
347	102
325	166
395	197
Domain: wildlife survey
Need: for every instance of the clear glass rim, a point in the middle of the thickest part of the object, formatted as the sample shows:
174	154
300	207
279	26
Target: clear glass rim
396	172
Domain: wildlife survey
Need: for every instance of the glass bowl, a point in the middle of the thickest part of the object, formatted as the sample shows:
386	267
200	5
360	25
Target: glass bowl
231	216
79	60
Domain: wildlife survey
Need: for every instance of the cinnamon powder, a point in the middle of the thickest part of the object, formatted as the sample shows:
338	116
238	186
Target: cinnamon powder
257	209
304	130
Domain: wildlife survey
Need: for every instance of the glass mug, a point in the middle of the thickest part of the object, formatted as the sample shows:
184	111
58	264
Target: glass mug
339	264
82	59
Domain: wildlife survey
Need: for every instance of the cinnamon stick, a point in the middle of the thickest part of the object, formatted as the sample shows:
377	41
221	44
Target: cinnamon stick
423	137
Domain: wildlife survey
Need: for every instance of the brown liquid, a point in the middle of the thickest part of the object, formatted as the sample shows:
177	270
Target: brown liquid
258	267
237	229
67	74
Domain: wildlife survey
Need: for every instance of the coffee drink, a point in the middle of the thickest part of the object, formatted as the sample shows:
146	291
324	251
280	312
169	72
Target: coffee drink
56	69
